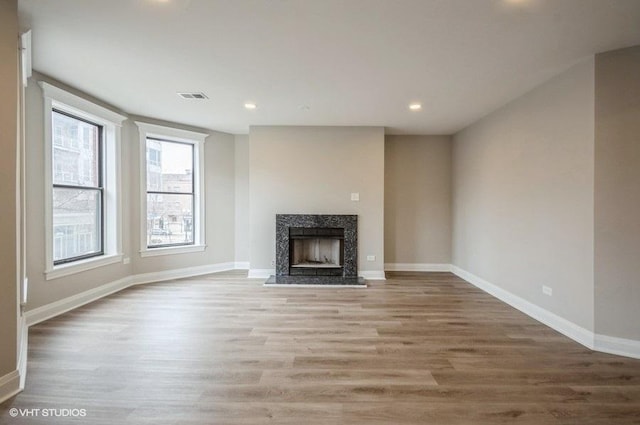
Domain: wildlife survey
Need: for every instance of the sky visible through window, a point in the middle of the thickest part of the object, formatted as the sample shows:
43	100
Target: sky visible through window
176	158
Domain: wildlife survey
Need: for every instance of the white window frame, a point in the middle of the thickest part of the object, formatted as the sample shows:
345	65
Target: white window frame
196	139
57	98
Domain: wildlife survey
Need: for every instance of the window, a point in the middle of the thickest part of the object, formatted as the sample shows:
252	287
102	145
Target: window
78	192
82	195
172	190
170	196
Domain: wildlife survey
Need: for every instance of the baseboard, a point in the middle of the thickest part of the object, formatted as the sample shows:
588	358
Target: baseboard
372	274
620	346
597	342
260	273
241	265
9	385
138	279
417	267
560	324
56	308
23	351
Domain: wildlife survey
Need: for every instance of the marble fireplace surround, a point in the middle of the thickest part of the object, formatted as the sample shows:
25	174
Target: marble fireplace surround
350	266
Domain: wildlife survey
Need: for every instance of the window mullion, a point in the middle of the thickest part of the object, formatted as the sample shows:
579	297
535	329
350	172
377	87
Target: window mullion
71	186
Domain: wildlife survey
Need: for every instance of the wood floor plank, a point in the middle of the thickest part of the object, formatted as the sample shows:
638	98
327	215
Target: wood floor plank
347	377
223	349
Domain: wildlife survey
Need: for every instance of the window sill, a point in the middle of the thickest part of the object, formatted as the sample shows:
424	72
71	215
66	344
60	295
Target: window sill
82	266
170	250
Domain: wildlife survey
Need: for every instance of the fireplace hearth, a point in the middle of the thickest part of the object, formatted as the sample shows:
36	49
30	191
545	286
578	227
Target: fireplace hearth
316	249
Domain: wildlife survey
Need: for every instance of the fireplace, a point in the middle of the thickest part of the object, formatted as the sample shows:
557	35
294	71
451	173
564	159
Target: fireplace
316	249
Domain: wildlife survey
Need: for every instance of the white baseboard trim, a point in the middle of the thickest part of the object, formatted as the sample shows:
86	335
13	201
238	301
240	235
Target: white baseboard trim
260	273
138	279
23	351
372	274
597	342
9	385
56	308
241	265
620	346
560	324
417	267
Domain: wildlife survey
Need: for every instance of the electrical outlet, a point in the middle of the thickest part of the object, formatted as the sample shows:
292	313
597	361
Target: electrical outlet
126	260
355	196
371	258
547	290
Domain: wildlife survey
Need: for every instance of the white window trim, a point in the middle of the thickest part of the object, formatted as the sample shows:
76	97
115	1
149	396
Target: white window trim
58	98
83	265
184	136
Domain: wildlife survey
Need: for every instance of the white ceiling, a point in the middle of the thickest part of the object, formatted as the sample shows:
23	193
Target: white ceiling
351	62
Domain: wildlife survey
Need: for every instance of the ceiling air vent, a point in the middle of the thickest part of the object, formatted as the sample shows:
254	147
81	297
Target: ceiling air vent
196	96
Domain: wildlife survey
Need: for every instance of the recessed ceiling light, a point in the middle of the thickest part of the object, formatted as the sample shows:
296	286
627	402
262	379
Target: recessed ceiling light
415	106
250	105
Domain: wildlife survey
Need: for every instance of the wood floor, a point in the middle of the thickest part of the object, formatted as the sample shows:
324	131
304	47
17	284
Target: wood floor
222	349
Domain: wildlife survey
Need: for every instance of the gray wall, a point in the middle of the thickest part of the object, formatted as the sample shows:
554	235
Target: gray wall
242	198
523	196
9	82
417	199
617	193
220	194
313	170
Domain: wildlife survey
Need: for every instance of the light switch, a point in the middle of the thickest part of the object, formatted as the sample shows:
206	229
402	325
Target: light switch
371	258
355	196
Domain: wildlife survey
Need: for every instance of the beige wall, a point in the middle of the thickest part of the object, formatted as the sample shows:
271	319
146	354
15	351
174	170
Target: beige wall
313	170
523	196
617	193
8	142
417	199
242	198
219	184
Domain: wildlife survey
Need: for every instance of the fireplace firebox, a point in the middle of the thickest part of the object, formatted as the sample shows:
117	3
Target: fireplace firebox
316	251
